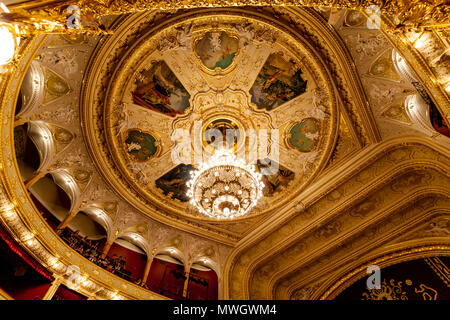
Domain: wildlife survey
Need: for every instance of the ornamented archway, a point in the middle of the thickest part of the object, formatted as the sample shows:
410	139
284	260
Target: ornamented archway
351	103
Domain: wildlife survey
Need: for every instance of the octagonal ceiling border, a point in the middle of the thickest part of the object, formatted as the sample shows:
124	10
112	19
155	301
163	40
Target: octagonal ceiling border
87	97
124	66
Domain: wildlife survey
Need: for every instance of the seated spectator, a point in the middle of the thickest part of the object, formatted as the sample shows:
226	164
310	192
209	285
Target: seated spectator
89	249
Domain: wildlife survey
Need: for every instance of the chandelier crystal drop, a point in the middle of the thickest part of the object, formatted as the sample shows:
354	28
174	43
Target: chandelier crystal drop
225	187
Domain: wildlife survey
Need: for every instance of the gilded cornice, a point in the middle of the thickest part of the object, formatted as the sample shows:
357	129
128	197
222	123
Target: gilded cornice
412	14
378	232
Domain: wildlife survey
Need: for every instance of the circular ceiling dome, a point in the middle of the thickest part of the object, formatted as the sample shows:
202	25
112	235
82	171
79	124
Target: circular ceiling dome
154	97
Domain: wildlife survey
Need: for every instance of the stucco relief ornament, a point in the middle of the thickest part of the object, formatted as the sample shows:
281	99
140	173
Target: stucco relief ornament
66	115
78	158
71	160
122	122
184	36
195	116
126	218
167	43
385	94
319	109
299	206
368	47
265	35
138	169
438	228
308	158
66	59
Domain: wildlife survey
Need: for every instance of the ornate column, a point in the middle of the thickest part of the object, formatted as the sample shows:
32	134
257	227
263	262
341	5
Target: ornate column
186	281
106	248
220	288
147	270
52	290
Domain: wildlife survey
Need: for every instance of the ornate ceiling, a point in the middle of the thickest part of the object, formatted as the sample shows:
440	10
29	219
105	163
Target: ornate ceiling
361	178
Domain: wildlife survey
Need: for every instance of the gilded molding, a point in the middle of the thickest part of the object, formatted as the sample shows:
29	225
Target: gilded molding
100	127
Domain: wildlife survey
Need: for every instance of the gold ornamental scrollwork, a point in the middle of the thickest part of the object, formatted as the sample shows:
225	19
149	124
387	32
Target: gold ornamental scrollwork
330	290
403	14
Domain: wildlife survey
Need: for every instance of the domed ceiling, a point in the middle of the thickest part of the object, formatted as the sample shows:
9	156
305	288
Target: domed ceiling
206	71
129	117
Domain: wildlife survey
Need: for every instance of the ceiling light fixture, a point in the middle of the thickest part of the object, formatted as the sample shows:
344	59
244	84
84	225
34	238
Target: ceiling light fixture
225	187
7	38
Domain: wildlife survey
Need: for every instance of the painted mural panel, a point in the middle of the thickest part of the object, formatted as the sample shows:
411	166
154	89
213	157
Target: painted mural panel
217	49
305	134
173	183
275	181
278	81
158	89
140	145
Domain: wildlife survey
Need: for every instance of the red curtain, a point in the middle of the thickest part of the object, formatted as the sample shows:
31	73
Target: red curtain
134	261
27	291
16	248
64	293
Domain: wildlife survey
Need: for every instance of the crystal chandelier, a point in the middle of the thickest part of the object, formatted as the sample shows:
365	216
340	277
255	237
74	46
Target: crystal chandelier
225	187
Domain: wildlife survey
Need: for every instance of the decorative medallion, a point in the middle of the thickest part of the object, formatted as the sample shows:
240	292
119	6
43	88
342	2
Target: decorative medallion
304	135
